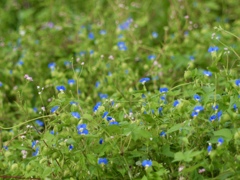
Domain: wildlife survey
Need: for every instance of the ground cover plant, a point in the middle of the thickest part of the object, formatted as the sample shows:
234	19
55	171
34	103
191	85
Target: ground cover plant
119	89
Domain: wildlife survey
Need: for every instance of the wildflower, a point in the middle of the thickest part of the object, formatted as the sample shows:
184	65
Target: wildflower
70	147
102	32
84	132
212	49
91	52
215	107
27	77
125	25
219	114
101	141
122	46
39	122
160	110
102	161
151	57
24	154
212	118
237	82
104	114
176	103
194	114
52	65
192	58
113	123
162	134
147	163
35	109
5	147
95	108
36	152
67	63
235	107
54	109
163	98
81	127
71	82
143	80
103	96
209	148
91	36
143	96
198	108
197	97
97	84
34	143
180	168
163	90
154	35
207	73
73	103
51	132
201	170
60	88
1	84
75	115
220	141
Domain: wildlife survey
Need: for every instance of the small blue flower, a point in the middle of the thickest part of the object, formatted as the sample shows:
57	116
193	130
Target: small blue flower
113	123
34	143
197	97
215	107
163	98
220	141
1	84
102	161
209	148
143	96
81	127
212	49
60	88
194	114
125	25
237	82
207	73
143	80
76	115
5	147
95	108
235	107
73	103
147	163
104	114
192	58
71	81
103	96
51	65
36	152
163	134
70	147
154	34
151	57
160	109
97	84
219	115
91	36
83	132
102	32
39	122
198	108
54	109
101	141
20	63
122	46
35	109
212	118
51	132
109	118
67	63
91	52
176	103
163	90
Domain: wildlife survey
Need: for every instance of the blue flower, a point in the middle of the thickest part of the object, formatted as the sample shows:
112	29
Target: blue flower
143	80
101	141
95	108
154	34
34	143
73	103
163	98
212	118
35	109
75	115
104	114
91	36
1	84
102	32
52	65
220	141
176	103
91	52
60	88
71	81
198	108
235	107
143	96
125	25
212	49
219	114
70	147
197	97
215	107
67	63
54	109
194	114
103	96
122	46
147	163
192	58
5	147
113	123
207	73
102	161
209	148
237	82
36	152
151	57
83	132
51	132
81	127
109	118
162	134
97	84
160	110
39	122
163	90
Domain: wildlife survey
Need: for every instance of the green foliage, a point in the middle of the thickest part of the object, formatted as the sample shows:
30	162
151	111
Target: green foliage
73	104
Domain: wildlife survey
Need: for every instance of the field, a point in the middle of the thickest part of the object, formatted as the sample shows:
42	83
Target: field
119	89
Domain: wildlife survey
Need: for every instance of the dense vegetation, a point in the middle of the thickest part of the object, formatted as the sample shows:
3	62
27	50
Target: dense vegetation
119	89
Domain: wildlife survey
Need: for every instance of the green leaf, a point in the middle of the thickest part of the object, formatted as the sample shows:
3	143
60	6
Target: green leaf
177	127
225	133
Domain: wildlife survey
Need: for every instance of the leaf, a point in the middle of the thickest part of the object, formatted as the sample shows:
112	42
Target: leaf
177	127
87	116
225	133
70	141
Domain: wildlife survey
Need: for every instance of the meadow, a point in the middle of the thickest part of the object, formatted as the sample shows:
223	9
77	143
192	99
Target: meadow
120	89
